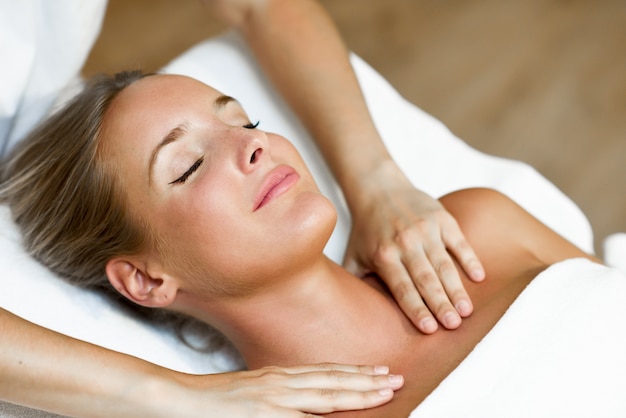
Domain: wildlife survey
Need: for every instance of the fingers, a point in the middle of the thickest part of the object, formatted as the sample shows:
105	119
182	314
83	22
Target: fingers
348	368
331	376
323	401
415	245
456	243
427	286
325	388
405	292
422	276
439	283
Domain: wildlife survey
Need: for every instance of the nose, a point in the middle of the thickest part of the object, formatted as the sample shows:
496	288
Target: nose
253	149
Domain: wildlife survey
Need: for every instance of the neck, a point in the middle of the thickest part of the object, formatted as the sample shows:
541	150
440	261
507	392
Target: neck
322	314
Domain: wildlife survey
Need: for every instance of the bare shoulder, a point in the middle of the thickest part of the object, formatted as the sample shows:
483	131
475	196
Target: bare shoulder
475	203
501	230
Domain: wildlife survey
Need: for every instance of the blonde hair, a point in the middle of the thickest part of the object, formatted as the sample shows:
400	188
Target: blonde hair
63	197
71	209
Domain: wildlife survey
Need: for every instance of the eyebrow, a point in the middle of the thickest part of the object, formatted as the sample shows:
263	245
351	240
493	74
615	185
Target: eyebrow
180	131
222	101
172	136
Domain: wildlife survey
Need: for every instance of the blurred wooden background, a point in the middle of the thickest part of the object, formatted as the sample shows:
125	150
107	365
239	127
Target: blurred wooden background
543	81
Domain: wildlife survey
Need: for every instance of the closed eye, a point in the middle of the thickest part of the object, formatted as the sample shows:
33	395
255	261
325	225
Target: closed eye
251	125
188	173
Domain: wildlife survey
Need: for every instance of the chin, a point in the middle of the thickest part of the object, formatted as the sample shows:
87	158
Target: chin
316	217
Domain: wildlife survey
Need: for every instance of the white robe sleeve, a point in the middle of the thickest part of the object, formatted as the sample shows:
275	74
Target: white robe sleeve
43	47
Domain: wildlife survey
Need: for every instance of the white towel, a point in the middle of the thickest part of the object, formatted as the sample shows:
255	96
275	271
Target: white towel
559	351
615	251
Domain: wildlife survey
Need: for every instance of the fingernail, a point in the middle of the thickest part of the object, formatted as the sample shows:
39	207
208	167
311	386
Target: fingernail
451	320
381	370
428	325
395	379
477	273
385	392
464	308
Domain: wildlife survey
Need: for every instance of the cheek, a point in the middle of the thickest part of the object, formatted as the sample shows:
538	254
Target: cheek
187	224
204	225
232	254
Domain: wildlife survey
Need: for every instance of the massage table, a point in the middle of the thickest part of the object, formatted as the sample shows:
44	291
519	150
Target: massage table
530	364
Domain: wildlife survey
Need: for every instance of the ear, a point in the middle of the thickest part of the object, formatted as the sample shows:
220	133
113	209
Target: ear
131	279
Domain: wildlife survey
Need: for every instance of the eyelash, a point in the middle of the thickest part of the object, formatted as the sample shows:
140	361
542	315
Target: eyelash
182	179
251	125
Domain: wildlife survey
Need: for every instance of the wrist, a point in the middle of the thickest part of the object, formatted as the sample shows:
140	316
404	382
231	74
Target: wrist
149	390
373	182
162	393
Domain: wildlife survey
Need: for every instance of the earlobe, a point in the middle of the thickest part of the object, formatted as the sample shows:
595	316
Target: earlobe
131	280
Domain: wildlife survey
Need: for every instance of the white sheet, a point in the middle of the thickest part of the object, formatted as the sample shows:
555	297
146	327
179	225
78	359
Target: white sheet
435	160
559	351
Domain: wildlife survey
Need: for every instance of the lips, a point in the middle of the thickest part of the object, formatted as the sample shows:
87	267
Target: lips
276	182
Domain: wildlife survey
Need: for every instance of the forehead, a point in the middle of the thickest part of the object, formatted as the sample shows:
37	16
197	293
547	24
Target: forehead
145	111
163	91
155	104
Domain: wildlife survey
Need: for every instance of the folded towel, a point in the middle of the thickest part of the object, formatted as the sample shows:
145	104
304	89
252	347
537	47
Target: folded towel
615	251
559	351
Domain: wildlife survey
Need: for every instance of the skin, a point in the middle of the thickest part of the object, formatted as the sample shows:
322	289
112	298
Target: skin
404	241
412	242
311	54
129	387
220	195
259	273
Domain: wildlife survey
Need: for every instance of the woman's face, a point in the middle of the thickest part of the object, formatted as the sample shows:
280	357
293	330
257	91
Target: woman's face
232	206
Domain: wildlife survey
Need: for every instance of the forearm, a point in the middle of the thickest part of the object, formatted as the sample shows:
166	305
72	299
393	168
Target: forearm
49	371
301	51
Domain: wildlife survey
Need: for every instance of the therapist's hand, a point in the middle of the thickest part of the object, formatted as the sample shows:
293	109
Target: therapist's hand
403	235
289	392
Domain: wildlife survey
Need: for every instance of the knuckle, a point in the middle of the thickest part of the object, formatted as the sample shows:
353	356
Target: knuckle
444	268
421	312
383	255
337	375
403	289
429	287
425	279
461	246
407	238
409	234
328	366
272	374
328	394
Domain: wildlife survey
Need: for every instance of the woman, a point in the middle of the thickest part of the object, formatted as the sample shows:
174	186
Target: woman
299	48
185	204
